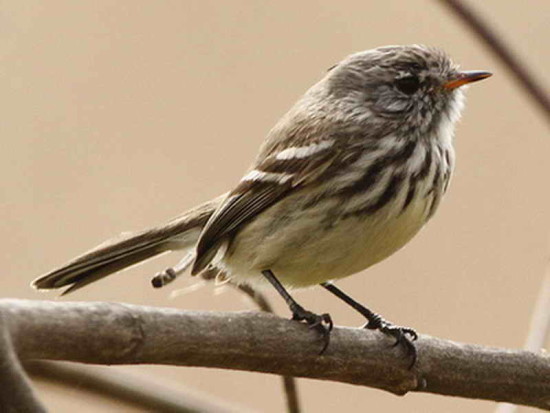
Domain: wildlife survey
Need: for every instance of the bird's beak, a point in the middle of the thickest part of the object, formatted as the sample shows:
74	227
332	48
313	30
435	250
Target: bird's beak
463	78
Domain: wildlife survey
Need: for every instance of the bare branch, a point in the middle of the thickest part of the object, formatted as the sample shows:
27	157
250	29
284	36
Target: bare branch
135	391
107	333
291	393
16	394
144	392
503	52
539	329
290	386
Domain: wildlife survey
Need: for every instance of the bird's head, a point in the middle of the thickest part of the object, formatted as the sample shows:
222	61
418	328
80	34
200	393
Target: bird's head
407	89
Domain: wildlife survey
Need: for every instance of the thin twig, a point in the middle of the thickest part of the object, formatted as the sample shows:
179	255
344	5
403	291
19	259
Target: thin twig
110	333
132	390
291	392
289	383
258	298
539	329
16	393
495	43
540	322
290	387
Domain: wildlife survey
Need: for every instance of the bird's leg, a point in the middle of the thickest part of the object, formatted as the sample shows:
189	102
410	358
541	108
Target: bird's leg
170	274
322	323
403	335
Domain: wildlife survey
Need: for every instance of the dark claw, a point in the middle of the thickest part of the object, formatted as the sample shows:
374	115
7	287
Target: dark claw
322	323
403	336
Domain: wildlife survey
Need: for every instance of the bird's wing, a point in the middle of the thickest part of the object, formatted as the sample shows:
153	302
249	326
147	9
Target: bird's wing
271	180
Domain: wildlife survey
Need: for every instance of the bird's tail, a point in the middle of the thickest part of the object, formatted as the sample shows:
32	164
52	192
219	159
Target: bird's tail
129	249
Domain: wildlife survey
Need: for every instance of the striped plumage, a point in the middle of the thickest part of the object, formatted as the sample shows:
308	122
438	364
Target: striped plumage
343	219
348	176
341	183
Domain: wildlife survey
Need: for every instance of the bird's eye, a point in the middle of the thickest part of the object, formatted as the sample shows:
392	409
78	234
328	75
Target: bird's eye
408	85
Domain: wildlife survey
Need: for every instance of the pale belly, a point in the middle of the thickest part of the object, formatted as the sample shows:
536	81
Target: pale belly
302	251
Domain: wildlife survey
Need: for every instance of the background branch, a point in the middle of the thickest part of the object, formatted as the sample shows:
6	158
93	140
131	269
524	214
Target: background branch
539	329
290	387
16	393
105	333
502	51
127	388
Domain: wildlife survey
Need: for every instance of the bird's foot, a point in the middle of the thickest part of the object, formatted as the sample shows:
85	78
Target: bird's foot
322	323
403	335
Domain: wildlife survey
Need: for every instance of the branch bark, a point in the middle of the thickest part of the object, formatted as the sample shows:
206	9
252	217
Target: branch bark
108	333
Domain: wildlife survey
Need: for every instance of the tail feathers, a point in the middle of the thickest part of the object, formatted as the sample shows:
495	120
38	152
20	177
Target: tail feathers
93	274
98	263
129	249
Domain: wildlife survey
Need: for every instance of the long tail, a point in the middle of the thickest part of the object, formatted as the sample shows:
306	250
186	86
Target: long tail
129	249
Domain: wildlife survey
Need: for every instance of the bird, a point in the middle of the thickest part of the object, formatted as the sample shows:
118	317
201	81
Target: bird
344	179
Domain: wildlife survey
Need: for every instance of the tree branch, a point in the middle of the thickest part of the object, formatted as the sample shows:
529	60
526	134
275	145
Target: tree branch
132	390
539	329
145	392
16	394
290	387
106	333
503	52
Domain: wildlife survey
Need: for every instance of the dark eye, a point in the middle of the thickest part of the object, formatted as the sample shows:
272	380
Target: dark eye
408	85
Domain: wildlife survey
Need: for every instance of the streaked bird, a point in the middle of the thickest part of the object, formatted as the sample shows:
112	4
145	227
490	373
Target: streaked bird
346	178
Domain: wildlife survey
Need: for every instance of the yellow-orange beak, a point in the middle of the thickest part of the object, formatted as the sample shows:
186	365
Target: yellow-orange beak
464	78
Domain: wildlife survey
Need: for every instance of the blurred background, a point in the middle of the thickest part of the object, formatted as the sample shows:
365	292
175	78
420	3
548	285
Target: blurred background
118	115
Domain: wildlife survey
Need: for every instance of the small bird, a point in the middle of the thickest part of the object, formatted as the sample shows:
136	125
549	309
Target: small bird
345	178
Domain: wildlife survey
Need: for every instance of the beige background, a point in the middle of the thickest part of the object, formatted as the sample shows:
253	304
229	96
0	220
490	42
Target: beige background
117	115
